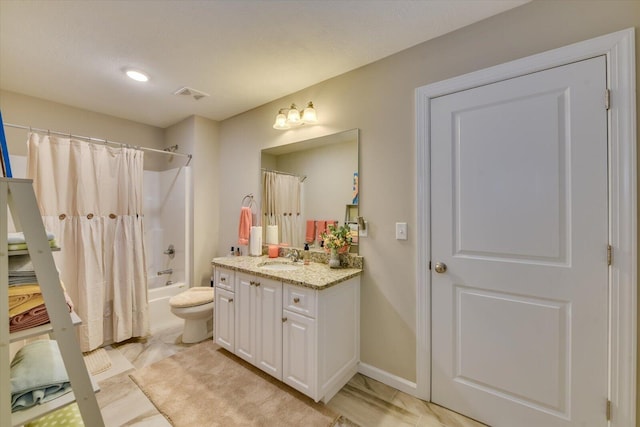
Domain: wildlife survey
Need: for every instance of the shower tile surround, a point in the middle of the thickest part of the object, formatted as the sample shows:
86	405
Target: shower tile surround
315	275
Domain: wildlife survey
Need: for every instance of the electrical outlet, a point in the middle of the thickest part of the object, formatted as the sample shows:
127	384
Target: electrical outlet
401	231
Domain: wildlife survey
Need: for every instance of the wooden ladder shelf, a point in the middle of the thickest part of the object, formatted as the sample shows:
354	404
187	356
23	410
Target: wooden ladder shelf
19	196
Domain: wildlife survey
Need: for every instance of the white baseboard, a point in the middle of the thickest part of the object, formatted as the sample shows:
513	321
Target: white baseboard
391	380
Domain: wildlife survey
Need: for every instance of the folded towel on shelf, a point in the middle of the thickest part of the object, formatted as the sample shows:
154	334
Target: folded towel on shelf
36	316
22	280
37	375
244	228
23	246
20	264
310	234
23	298
15	238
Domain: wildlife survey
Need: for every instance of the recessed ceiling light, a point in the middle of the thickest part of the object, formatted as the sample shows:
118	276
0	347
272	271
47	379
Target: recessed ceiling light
138	76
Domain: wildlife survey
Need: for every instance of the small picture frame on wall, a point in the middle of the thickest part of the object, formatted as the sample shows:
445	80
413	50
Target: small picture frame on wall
4	151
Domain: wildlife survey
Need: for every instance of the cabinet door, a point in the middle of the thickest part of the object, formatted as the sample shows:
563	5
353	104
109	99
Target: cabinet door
299	359
224	314
245	317
268	326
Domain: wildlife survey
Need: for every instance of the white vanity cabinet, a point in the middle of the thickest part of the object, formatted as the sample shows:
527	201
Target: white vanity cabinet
258	322
224	309
321	338
306	335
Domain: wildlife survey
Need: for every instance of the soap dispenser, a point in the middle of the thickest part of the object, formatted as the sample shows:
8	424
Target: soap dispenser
305	254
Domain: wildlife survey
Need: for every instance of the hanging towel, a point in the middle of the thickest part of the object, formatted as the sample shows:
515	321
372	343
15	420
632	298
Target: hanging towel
331	223
311	231
244	229
321	227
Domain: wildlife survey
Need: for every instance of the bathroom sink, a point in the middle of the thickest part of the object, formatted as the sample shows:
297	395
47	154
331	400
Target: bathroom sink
279	266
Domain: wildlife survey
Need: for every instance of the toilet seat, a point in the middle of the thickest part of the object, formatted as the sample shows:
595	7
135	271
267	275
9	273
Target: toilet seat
192	297
195	306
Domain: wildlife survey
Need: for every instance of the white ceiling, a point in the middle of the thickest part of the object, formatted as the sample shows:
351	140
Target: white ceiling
242	53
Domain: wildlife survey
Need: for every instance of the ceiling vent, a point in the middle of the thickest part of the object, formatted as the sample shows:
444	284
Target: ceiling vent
187	91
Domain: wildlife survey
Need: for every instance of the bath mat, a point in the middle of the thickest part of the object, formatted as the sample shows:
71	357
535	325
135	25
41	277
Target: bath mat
205	385
97	361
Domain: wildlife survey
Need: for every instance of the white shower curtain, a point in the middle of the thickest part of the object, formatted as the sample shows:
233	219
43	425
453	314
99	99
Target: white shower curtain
281	205
90	197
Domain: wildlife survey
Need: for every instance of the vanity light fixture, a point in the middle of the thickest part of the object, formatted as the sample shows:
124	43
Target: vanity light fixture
136	75
291	117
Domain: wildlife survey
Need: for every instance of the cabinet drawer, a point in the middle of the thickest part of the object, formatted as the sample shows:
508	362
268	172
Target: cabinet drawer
300	300
224	279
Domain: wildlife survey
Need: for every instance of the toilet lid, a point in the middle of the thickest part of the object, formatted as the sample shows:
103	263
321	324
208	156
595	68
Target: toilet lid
197	295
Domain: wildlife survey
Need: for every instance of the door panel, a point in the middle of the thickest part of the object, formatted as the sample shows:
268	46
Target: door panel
224	323
269	326
245	308
519	216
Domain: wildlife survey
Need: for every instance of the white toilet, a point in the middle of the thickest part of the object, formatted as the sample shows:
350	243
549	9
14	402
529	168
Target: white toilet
195	306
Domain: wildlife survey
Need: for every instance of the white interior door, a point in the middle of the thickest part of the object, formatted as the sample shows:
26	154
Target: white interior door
519	218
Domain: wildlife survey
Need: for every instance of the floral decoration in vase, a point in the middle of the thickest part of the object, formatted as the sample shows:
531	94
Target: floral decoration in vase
337	240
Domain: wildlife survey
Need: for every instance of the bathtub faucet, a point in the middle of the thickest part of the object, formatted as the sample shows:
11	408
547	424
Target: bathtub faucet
167	271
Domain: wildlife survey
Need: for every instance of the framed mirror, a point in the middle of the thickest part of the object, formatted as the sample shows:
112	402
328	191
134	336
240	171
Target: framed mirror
308	184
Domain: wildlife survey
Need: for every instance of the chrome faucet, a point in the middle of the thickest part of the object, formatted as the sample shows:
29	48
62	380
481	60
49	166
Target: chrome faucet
294	255
167	271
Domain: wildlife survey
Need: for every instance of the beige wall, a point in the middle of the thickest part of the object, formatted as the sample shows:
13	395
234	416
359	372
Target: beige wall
39	113
379	99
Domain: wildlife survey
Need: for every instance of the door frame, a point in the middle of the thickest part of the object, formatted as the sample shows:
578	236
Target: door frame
619	48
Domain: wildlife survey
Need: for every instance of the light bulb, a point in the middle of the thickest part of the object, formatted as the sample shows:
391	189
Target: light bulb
293	116
309	114
137	75
281	121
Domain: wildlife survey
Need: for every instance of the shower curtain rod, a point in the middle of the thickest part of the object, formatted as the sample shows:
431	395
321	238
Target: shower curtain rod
100	141
302	178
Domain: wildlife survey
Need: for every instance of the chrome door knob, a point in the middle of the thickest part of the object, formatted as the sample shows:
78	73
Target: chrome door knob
441	267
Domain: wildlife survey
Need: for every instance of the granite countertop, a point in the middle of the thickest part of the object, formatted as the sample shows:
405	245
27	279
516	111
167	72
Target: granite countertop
314	275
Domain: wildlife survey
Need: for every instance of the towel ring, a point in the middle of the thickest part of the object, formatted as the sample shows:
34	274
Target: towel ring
251	201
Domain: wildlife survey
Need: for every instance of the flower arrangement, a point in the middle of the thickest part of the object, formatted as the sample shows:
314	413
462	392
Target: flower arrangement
338	238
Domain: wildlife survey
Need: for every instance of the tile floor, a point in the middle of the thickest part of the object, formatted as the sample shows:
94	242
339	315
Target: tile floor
364	401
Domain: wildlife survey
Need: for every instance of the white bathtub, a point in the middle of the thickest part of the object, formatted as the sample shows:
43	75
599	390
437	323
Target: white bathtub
160	315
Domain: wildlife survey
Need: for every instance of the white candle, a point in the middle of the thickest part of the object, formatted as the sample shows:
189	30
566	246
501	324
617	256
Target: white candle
272	235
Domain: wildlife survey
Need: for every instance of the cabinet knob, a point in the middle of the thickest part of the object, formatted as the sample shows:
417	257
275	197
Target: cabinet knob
223	279
230	300
284	319
257	283
296	300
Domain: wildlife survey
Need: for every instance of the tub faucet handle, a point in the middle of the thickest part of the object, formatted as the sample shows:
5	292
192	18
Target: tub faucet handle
170	251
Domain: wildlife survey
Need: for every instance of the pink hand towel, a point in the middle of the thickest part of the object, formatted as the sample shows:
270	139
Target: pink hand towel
321	227
311	231
244	229
330	223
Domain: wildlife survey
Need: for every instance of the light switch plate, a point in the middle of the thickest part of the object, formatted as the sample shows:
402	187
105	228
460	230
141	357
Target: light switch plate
401	231
364	232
